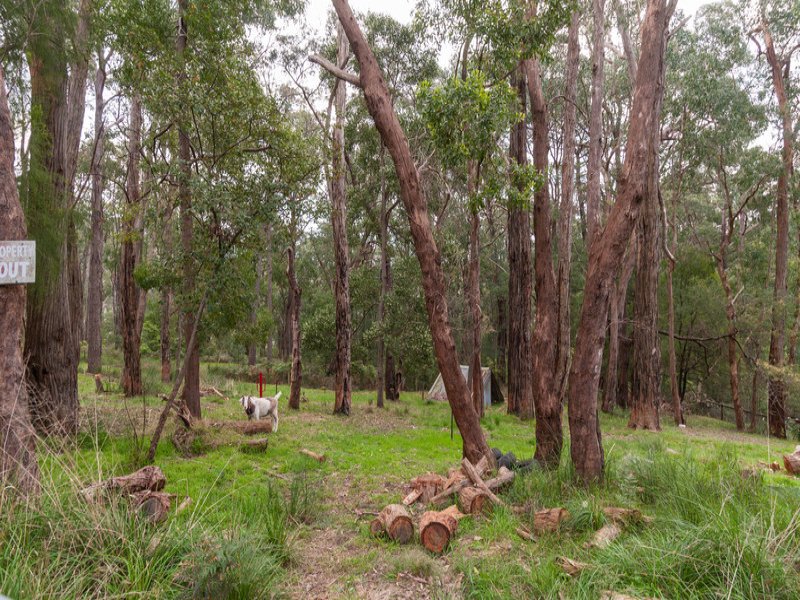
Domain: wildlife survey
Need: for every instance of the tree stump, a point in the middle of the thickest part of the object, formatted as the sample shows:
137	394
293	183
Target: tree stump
395	521
792	461
154	506
436	529
549	520
474	501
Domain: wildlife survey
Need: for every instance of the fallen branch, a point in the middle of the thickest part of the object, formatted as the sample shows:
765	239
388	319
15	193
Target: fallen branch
317	457
469	469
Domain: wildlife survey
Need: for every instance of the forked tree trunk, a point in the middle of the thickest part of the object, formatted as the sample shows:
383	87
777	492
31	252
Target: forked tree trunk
545	338
637	180
379	105
776	385
296	372
94	303
129	292
341	253
18	466
474	293
191	385
520	352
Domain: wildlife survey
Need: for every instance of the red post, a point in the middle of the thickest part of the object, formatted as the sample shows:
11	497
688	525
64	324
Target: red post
260	385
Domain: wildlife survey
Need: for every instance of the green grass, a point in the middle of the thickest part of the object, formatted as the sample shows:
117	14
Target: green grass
259	524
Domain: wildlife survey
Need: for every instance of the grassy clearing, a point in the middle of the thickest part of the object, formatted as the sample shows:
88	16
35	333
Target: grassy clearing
280	524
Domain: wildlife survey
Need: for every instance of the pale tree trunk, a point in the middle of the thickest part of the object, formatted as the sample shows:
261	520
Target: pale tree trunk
18	466
384	224
252	347
637	181
129	292
565	208
776	385
166	300
378	101
677	411
268	243
191	386
94	304
754	389
54	307
595	122
501	326
474	290
296	371
545	337
340	247
520	352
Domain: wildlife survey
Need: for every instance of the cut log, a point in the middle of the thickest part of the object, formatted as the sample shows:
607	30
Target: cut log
149	478
792	461
257	446
469	469
154	506
317	457
246	427
395	521
429	485
436	529
474	501
412	497
549	520
604	536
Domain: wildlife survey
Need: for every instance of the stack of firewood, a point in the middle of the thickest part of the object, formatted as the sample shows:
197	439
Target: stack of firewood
465	484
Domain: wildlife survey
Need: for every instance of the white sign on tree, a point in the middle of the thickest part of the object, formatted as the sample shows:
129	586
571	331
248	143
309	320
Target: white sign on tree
17	262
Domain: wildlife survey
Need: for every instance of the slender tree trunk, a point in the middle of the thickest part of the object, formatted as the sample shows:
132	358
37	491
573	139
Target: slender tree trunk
776	384
18	466
474	290
296	372
754	391
340	248
252	347
596	123
379	105
191	386
677	411
52	347
501	326
94	304
638	178
129	292
545	337
166	301
384	223
520	352
565	208
269	289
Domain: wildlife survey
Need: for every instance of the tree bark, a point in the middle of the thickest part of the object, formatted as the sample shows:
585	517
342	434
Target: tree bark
269	290
520	352
595	123
474	289
776	385
129	292
191	386
252	347
379	105
296	372
166	301
341	252
637	179
94	303
18	466
501	326
52	347
383	357
545	337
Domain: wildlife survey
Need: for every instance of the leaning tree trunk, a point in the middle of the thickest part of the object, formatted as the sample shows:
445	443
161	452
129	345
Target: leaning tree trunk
296	372
638	181
191	385
379	105
776	385
94	303
129	291
18	466
545	337
341	253
520	352
474	293
52	347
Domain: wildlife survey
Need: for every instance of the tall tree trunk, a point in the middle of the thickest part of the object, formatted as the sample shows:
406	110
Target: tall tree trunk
252	347
616	369
340	248
754	390
129	291
596	122
384	224
545	337
94	303
268	243
565	208
474	289
638	178
52	347
18	466
501	326
776	385
191	385
296	371
166	300
520	352
379	105
677	411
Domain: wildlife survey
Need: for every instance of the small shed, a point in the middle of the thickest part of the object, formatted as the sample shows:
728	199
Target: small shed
492	394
